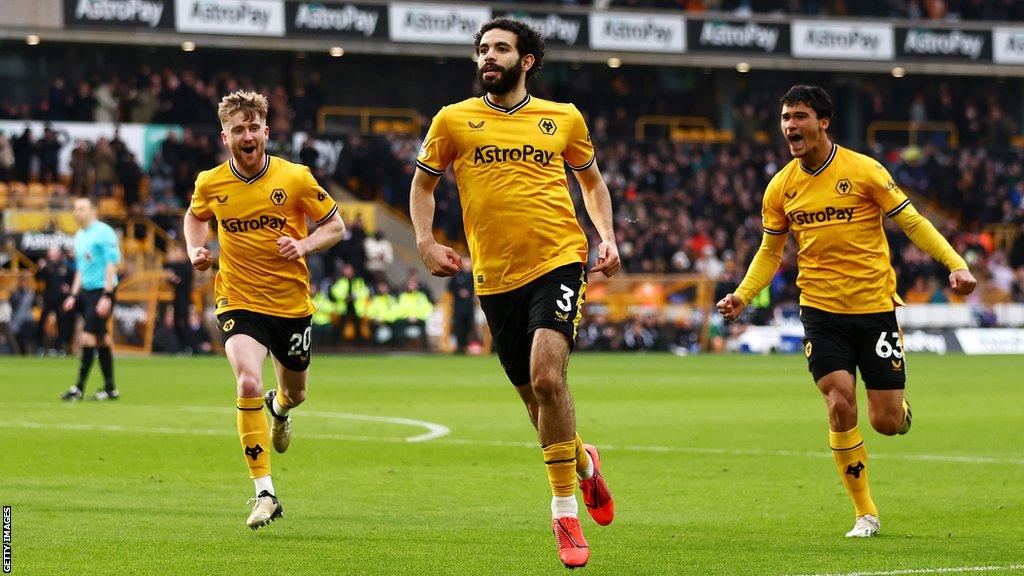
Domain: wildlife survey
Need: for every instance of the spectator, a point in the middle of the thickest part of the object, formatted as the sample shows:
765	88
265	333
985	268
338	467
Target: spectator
178	271
48	150
106	103
414	308
6	159
8	341
308	156
379	255
24	149
83	104
81	169
23	323
197	337
351	295
129	174
55	273
463	319
382	314
323	318
102	162
165	335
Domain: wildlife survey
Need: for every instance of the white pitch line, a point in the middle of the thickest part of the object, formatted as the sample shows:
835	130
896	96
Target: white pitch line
187	432
953	570
434	430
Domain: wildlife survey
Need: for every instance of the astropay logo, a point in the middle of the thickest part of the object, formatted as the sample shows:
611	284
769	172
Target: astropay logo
253	17
749	35
491	153
435	23
146	12
1008	45
843	40
944	43
254	224
348	18
554	27
824	216
637	32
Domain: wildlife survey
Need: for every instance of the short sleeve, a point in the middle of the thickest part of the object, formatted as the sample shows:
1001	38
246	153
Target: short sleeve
438	149
199	206
314	201
884	191
773	215
111	248
579	150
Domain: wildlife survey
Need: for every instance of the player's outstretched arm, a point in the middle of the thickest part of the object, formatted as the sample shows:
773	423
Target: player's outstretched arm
924	235
762	268
326	235
195	231
440	260
598	202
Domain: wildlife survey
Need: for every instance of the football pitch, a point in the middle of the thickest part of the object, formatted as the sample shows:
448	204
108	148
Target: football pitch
427	465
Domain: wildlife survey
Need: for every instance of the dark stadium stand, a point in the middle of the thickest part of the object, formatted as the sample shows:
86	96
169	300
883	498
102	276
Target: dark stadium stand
683	203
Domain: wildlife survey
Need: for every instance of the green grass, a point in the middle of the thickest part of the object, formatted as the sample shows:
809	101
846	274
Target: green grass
719	465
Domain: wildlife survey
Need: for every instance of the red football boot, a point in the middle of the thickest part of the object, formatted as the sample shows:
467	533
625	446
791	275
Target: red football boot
573	550
596	495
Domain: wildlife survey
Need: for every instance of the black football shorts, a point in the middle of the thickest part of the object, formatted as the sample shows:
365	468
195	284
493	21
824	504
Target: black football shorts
550	301
86	306
288	339
871	342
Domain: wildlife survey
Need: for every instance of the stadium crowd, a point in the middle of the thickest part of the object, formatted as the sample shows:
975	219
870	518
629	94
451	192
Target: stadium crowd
680	207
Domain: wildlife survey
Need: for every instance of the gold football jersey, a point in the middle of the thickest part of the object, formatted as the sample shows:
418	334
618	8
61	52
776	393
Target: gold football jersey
252	213
835	215
509	164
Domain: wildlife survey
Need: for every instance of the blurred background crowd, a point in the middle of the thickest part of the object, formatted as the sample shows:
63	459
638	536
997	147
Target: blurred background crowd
682	206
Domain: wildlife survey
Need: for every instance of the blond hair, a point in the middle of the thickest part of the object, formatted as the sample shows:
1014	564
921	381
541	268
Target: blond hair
248	103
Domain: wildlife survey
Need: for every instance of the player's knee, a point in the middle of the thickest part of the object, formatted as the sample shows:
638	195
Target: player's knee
547	384
886	422
249	386
841	405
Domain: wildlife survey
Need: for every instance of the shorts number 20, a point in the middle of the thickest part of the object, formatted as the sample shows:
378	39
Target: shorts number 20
300	342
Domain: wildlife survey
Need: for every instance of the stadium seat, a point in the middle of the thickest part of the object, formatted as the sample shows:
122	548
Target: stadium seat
111	208
36	199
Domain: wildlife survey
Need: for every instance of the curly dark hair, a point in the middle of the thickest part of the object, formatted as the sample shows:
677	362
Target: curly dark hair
528	40
814	97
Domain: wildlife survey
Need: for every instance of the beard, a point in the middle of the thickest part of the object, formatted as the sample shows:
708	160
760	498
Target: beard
507	80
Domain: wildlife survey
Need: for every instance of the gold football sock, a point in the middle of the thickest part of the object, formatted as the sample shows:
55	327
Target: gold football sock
560	459
582	459
852	462
254	432
281	406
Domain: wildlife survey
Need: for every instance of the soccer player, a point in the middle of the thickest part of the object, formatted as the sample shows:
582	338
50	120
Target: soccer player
833	200
508	150
97	255
262	288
